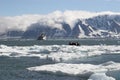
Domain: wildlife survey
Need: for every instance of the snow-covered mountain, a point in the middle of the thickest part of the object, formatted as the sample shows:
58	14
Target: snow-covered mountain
75	24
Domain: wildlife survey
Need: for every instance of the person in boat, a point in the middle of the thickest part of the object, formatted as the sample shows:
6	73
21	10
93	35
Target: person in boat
74	43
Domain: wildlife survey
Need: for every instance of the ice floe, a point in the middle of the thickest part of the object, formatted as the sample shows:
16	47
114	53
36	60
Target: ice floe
58	52
83	70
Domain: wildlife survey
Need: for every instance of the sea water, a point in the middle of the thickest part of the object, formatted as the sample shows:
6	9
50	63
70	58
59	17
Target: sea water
94	59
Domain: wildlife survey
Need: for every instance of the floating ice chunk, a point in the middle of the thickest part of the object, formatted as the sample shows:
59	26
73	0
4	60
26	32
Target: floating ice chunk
100	76
83	70
69	69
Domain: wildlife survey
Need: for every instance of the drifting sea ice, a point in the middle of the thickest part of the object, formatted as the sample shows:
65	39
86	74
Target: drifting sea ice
100	76
82	70
68	59
58	52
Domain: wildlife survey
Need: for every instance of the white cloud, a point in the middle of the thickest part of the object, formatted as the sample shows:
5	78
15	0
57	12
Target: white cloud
53	19
17	22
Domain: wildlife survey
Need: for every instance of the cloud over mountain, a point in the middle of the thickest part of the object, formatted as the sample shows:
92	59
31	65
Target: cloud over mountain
61	23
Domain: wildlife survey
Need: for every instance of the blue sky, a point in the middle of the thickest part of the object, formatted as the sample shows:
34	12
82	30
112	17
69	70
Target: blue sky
20	7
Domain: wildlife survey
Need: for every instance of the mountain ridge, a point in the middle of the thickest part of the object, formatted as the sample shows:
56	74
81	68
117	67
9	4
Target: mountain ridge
66	24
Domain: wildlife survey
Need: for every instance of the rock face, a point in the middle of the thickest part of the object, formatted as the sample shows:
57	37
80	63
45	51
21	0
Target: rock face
100	26
36	29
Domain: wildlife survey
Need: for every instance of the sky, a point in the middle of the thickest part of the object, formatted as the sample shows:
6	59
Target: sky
21	7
